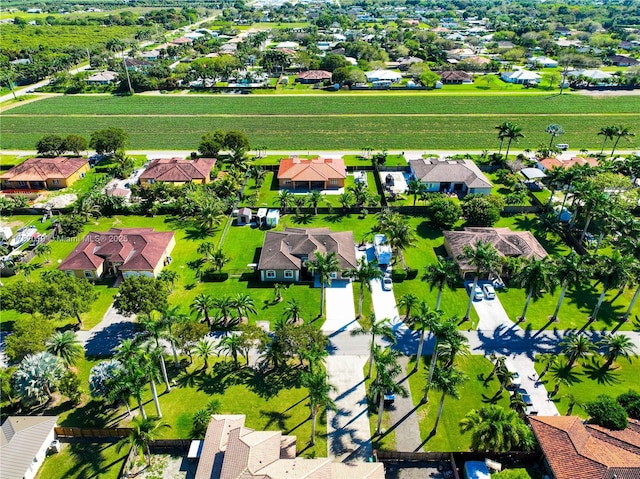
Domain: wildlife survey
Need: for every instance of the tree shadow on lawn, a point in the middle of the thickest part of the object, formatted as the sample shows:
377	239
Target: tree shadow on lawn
603	375
270	384
88	459
303	219
95	414
275	417
102	343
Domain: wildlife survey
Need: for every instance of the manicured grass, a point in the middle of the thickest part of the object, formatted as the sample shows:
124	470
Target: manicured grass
84	460
589	380
379	121
386	442
473	395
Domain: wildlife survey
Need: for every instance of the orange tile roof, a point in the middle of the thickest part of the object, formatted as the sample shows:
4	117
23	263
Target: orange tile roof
317	169
575	450
178	170
549	163
42	169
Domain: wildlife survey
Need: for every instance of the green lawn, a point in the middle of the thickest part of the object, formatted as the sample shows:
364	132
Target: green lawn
84	460
330	122
473	395
588	380
61	36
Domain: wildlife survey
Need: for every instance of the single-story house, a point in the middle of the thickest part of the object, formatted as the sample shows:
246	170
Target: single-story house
24	441
102	78
573	448
549	163
231	450
314	76
520	77
182	41
45	173
178	171
478	60
383	75
405	62
287	46
137	64
126	251
455	77
150	55
460	53
623	61
459	176
317	173
593	76
284	254
512	244
543	62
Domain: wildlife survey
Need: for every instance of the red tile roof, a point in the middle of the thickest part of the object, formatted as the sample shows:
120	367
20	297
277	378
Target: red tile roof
138	249
549	163
317	169
575	450
41	169
178	170
315	75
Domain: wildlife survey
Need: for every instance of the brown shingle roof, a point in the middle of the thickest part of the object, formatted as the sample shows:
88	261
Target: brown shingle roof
455	75
178	170
318	169
575	450
139	249
41	169
315	75
285	249
507	242
434	170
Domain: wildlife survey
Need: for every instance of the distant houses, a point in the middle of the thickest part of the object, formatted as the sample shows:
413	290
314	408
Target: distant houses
45	173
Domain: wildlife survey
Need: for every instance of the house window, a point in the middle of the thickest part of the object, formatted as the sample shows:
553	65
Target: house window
287	182
151	181
271	274
56	181
333	181
22	183
288	274
334	275
70	273
88	274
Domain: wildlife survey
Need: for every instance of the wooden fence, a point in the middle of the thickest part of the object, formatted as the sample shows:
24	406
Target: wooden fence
75	432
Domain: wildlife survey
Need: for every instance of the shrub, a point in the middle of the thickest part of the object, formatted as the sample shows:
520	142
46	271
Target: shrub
630	401
606	412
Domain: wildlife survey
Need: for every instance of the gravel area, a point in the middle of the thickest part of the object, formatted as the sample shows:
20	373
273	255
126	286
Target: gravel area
165	466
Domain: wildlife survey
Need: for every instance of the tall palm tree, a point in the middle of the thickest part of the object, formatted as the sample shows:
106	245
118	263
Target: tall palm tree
319	395
608	132
502	129
204	349
400	235
495	429
387	369
408	301
613	271
144	432
154	330
556	178
66	346
443	273
445	334
576	346
135	375
535	276
244	305
224	305
380	329
485	258
285	198
446	381
313	199
554	130
231	346
569	270
512	133
621	132
315	356
324	266
425	318
549	360
364	274
170	317
202	305
616	345
455	345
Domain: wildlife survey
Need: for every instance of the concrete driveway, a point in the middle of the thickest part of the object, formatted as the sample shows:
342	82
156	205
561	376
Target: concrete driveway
340	310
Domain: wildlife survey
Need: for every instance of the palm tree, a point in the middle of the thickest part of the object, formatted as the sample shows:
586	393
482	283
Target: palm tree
144	432
485	258
416	188
206	248
134	377
298	202
576	346
224	305
512	133
219	260
324	266
380	329
202	305
37	376
454	345
313	199
364	274
573	402
292	311
616	345
445	335
621	132
400	235
549	360
425	318
554	130
204	349
154	330
569	270
446	381
498	362
169	277
613	271
556	178
170	317
495	429
319	395
502	129
285	198
244	305
25	269
43	250
314	356
66	346
387	369
505	377
231	346
407	301
444	273
535	276
608	132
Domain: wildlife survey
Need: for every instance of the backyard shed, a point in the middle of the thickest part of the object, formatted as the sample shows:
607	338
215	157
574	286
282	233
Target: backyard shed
262	216
244	216
273	216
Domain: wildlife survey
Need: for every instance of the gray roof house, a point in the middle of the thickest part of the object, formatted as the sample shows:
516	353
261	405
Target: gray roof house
233	451
285	253
24	441
450	176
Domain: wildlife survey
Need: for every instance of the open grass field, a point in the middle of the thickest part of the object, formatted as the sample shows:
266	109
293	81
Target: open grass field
60	36
415	121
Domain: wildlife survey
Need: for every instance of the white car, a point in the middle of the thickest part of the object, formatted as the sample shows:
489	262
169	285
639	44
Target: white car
489	292
387	283
477	293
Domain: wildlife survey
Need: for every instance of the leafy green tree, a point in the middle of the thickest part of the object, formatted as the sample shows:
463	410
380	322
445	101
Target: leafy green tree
141	295
443	212
429	78
442	274
377	329
319	395
481	210
494	429
363	274
66	346
37	376
50	145
324	266
144	432
29	336
211	144
75	144
605	411
236	142
108	140
630	401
